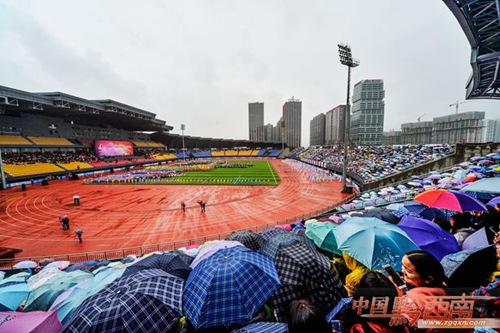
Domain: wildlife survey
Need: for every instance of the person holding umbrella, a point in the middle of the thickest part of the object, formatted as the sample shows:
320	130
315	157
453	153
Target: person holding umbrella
461	227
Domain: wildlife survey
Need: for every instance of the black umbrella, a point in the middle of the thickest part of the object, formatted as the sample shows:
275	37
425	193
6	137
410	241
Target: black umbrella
305	274
271	232
273	244
470	268
168	262
248	238
381	214
149	301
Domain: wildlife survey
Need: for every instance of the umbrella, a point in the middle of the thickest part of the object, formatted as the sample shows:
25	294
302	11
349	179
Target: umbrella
229	287
87	266
211	249
149	301
25	264
305	274
57	264
248	238
12	295
477	239
67	302
35	321
344	304
381	214
41	277
322	234
263	327
451	200
487	185
42	297
494	201
373	242
270	232
429	236
421	210
469	268
168	262
271	246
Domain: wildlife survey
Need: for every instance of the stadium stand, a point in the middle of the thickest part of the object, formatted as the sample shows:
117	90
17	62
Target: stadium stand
46	141
13	140
75	165
18	170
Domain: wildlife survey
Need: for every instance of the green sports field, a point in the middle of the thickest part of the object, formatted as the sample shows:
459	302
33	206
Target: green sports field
259	173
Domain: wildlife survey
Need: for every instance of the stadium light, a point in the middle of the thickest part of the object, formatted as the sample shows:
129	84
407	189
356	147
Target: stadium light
2	174
183	127
346	60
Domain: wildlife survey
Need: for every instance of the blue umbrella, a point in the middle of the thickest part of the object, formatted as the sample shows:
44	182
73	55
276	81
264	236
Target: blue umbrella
229	287
485	185
263	327
42	297
169	262
12	295
429	236
420	210
67	302
373	242
271	246
271	232
149	301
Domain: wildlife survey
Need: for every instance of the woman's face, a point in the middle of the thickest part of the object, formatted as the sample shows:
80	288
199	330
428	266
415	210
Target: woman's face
410	274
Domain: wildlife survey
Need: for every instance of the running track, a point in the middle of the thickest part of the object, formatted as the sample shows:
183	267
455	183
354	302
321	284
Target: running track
125	216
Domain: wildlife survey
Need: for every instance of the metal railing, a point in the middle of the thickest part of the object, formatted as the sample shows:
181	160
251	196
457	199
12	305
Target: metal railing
170	246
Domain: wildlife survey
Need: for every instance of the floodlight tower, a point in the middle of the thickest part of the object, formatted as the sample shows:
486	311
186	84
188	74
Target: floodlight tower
2	174
183	127
346	59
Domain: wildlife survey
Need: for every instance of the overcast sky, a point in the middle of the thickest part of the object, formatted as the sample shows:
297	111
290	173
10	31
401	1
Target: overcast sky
200	62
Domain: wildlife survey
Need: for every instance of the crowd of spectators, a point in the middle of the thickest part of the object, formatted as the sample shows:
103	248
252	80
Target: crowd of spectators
373	163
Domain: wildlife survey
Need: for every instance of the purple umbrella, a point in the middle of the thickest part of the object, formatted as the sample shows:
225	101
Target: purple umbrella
210	249
477	239
34	321
429	236
494	201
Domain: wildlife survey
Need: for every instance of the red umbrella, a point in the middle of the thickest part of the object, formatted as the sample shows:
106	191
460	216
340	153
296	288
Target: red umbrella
451	200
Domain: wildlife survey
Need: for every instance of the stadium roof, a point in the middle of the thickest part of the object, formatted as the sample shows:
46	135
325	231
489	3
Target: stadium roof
80	110
480	22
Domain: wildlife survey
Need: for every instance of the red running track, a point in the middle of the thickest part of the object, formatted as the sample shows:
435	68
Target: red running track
125	216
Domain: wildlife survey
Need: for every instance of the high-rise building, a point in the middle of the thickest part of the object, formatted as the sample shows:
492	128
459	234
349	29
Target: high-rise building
256	121
292	122
466	127
367	113
268	133
491	132
418	133
334	125
317	130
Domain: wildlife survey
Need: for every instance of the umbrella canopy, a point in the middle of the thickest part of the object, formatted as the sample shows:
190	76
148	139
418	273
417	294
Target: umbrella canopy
322	234
263	327
429	236
373	242
67	302
35	322
12	295
271	232
421	210
42	297
271	246
229	287
57	264
451	200
477	239
168	262
149	301
486	185
41	277
212	248
469	268
87	266
381	214
25	264
305	274
248	238
494	201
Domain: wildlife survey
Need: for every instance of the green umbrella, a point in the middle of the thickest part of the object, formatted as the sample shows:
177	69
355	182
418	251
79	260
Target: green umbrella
322	234
42	297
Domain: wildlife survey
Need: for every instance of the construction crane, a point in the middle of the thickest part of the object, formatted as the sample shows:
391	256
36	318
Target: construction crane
418	118
456	104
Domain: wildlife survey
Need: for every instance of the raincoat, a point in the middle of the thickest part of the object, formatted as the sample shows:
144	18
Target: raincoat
358	270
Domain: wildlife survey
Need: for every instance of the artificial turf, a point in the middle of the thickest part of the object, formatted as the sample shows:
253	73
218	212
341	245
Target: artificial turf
258	173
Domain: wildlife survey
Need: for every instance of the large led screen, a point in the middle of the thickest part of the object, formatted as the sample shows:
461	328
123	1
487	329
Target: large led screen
113	148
